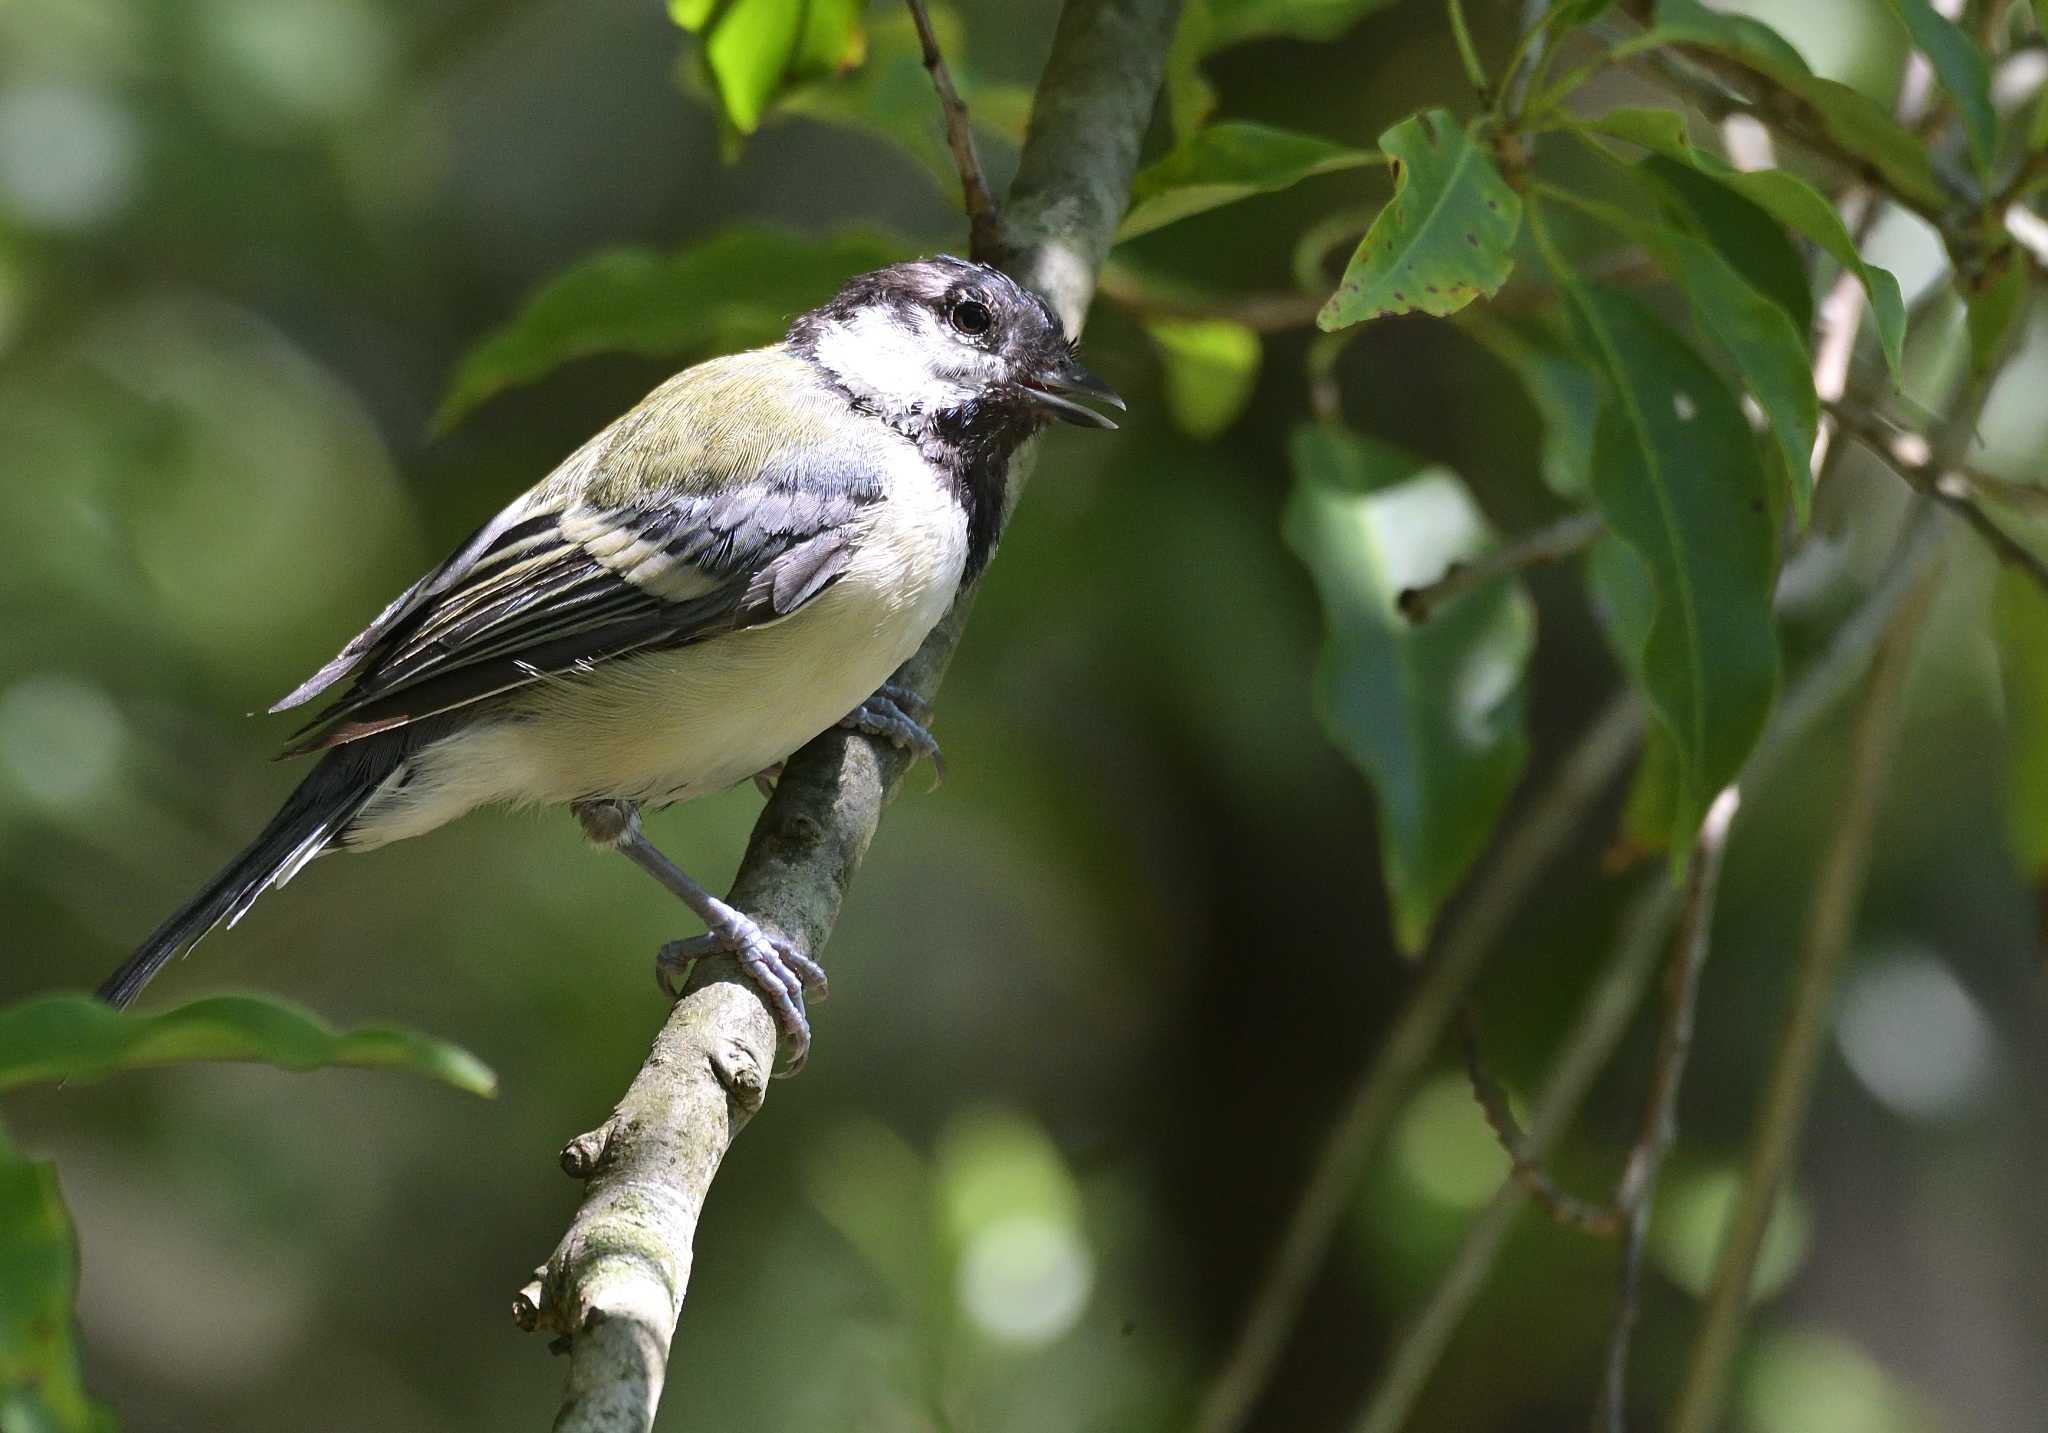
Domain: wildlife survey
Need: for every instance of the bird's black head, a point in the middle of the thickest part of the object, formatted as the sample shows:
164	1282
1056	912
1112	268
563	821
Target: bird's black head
951	345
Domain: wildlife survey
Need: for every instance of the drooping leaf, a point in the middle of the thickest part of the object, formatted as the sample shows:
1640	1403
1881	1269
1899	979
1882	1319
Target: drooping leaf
1651	805
1234	21
1211	365
1226	162
71	1036
1743	232
1997	299
739	287
1560	387
2022	640
1785	196
1433	714
1963	70
890	96
1855	122
754	48
40	1387
1680	482
1444	239
1768	351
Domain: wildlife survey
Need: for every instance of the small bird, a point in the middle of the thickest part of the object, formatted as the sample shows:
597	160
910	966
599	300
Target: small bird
736	565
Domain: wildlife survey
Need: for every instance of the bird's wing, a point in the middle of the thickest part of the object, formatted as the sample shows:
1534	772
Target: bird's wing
553	585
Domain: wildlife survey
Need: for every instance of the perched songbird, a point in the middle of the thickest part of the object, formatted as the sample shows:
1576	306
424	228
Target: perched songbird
736	565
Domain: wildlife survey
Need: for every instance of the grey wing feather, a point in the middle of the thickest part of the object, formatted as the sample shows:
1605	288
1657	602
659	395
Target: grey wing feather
530	597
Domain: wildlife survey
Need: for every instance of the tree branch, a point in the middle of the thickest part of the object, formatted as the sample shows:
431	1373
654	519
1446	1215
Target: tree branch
1838	891
1567	537
614	1287
1636	1192
1531	842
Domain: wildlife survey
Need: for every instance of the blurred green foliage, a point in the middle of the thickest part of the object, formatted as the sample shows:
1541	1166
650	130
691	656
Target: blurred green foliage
1096	1001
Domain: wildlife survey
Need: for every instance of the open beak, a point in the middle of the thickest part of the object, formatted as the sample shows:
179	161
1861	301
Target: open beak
1056	390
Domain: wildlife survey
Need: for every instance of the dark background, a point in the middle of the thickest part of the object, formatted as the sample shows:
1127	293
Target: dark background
1094	1001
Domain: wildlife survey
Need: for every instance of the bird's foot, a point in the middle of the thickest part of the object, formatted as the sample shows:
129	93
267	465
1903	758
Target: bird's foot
897	715
780	970
765	779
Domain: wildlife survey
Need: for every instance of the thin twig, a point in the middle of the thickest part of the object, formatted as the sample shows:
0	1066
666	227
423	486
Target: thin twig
1910	456
1838	891
1559	1203
613	1289
1529	845
1635	1194
1274	312
1604	1017
1567	537
984	216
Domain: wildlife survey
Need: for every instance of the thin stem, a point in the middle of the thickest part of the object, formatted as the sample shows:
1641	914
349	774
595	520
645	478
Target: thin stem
984	216
1567	537
1559	1203
1530	844
1636	1192
1604	1017
1838	891
1468	54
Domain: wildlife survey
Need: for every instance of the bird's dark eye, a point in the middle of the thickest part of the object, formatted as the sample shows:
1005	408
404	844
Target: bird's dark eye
971	317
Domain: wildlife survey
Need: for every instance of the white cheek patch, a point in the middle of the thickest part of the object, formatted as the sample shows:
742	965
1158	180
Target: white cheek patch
880	359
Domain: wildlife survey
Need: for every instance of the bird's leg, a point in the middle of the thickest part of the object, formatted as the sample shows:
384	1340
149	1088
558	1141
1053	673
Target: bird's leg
897	715
775	965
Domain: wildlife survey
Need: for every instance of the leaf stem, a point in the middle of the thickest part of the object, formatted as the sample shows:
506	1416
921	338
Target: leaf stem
1567	537
1468	54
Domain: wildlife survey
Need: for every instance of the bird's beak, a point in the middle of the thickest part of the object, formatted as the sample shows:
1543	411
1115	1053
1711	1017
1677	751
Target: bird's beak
1054	390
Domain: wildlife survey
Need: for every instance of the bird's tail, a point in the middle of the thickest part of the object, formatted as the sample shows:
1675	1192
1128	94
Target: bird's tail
311	820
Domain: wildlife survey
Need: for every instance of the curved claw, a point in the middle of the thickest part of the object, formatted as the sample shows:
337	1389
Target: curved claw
778	969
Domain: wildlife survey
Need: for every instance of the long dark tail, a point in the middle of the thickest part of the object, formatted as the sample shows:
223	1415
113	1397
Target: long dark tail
312	819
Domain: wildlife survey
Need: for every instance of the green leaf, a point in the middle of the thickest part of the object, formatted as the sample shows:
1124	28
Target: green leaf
1679	480
1211	366
1234	21
1446	236
1224	163
1561	388
1854	121
1997	299
1652	802
1432	714
1743	232
1963	70
69	1036
753	48
1768	351
890	97
40	1387
736	289
2021	632
1190	98
1785	196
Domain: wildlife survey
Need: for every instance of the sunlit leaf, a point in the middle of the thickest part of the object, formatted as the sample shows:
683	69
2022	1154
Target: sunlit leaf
1963	70
1233	21
1190	98
1785	196
2022	638
738	288
40	1387
1561	388
754	48
1444	239
1211	365
1224	163
71	1036
890	96
1433	714
1680	481
1769	353
1854	121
